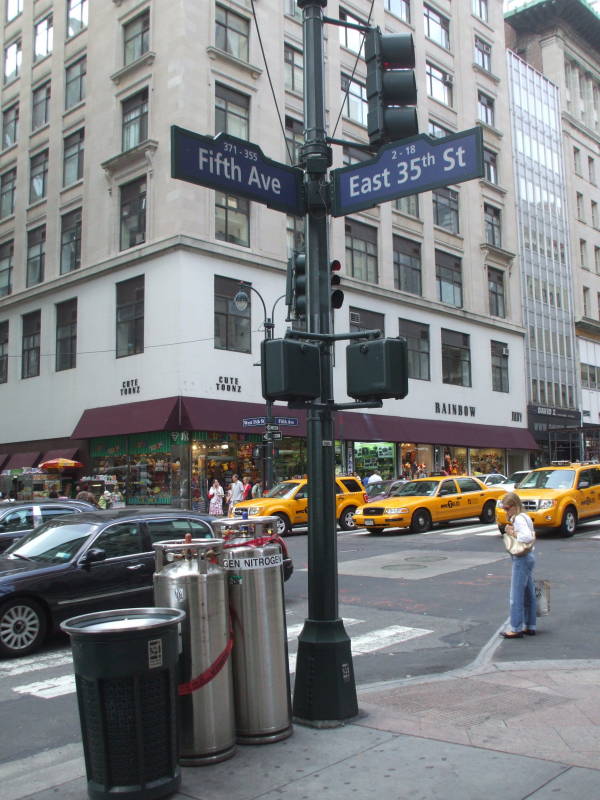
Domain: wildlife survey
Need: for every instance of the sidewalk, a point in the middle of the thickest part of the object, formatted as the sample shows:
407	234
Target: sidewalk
504	731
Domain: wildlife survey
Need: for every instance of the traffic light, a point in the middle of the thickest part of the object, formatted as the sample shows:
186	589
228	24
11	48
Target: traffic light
337	295
295	287
391	87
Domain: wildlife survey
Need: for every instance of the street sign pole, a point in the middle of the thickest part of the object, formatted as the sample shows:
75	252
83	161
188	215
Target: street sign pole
324	689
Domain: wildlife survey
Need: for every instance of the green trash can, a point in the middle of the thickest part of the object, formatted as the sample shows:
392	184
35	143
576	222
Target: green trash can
125	663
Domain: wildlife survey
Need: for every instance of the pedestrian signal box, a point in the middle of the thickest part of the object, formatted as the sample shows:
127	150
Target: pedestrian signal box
376	369
290	370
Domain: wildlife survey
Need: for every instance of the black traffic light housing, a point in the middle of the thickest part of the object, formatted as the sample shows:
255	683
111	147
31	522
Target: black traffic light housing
337	295
376	369
295	287
290	370
391	87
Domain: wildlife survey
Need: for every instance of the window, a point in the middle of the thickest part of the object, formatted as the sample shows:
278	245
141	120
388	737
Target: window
75	83
595	216
456	358
292	9
119	540
8	183
232	327
77	16
30	350
363	320
232	219
4	351
136	37
496	292
485	109
591	170
437	27
437	131
232	33
10	126
73	158
12	60
42	36
492	224
480	9
361	251
232	110
130	317
409	204
596	260
583	260
294	68
354	155
295	233
40	106
407	265
135	120
36	255
439	84
448	273
294	137
483	54
490	166
355	101
579	204
586	301
133	213
445	209
499	352
401	8
577	160
66	335
350	38
38	177
70	241
6	267
417	340
13	9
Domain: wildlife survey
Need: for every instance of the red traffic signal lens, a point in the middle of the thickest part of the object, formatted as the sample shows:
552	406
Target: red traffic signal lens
335	265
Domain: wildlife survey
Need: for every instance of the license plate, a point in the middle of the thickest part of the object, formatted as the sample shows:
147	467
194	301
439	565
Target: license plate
368	522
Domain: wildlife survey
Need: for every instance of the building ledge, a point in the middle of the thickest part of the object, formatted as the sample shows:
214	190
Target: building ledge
146	59
588	326
214	53
142	153
498	253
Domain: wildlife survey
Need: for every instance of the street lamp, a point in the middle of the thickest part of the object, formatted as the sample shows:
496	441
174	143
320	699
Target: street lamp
241	301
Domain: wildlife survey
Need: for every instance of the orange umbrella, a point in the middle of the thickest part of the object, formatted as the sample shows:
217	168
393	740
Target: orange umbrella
60	463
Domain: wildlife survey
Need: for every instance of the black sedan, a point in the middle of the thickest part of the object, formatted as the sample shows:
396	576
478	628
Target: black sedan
19	518
93	561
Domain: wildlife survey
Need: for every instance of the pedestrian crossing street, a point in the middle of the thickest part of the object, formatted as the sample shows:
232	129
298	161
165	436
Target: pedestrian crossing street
32	668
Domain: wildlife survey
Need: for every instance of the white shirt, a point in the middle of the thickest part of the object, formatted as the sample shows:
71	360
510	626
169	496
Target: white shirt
237	491
523	528
375	478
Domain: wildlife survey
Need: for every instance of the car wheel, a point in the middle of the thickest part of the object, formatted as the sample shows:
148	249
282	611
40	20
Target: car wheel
569	522
23	627
421	521
282	526
488	514
347	519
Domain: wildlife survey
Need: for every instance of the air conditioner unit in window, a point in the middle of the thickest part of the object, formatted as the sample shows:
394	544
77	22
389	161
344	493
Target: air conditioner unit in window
354	318
505	351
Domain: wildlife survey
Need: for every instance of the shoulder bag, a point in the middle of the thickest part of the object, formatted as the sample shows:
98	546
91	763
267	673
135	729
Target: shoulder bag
515	547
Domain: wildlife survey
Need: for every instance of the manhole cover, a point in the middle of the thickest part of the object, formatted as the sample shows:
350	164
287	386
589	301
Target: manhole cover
404	566
426	559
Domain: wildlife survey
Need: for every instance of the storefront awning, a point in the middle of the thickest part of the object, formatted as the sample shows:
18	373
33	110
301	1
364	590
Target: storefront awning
163	414
69	452
3	457
22	460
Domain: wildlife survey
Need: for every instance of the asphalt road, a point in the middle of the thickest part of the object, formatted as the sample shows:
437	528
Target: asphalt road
413	604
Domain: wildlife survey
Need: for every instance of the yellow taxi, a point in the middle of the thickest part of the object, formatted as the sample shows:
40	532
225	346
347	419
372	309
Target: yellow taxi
558	497
288	501
421	503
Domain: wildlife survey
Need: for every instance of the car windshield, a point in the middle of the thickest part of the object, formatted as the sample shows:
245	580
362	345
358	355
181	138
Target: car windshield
52	542
493	479
376	488
549	479
517	476
416	489
283	489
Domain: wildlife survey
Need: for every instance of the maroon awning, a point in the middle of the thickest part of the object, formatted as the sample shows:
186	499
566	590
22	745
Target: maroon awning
22	460
3	457
69	452
228	416
139	417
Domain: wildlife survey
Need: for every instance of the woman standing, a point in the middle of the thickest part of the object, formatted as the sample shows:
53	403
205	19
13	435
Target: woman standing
215	497
522	589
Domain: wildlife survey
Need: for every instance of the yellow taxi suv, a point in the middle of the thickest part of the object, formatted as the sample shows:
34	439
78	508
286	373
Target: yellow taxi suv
421	503
288	501
557	497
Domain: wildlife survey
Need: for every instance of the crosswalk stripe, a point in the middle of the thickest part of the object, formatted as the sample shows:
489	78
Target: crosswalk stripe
54	687
13	668
294	631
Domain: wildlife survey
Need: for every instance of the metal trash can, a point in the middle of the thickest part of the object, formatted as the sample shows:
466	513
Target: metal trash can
188	576
261	677
125	664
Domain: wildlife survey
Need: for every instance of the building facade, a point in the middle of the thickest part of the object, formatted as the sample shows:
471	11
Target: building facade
119	343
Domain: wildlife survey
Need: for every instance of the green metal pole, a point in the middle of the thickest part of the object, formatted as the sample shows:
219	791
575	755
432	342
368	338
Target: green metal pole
324	689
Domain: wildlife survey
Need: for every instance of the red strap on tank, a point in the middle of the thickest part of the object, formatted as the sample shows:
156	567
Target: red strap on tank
259	542
209	673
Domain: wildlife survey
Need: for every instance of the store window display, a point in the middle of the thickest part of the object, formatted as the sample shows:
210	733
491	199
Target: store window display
486	460
378	456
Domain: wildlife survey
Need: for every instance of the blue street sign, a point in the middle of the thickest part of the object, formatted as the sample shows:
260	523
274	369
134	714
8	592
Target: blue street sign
408	167
291	421
253	422
236	166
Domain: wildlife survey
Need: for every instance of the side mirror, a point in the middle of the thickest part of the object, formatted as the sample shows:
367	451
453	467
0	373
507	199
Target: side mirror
93	554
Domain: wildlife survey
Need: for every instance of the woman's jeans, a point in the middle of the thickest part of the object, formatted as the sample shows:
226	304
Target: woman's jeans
522	593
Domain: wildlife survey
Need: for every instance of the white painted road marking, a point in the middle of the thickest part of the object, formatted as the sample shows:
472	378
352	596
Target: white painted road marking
34	663
54	687
294	631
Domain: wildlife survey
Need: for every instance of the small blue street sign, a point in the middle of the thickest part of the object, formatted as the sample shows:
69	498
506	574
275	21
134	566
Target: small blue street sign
408	167
253	422
291	421
236	166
